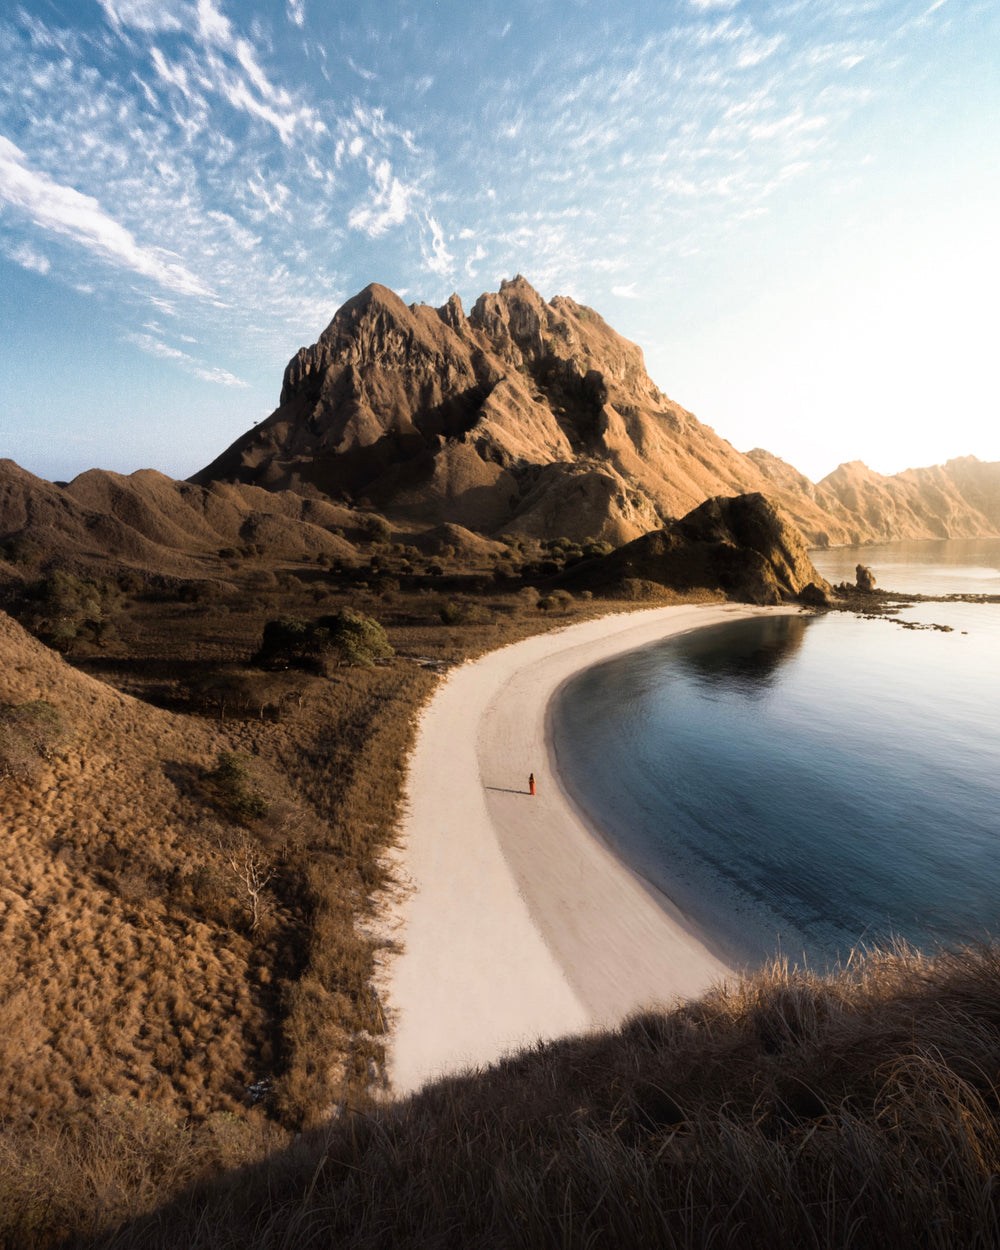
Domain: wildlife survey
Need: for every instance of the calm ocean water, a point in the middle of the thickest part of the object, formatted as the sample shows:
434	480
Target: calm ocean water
805	784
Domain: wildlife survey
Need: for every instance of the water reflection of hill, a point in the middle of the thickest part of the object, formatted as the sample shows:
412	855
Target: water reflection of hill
745	659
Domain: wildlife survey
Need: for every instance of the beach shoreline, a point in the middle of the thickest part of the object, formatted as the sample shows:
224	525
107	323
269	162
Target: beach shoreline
518	923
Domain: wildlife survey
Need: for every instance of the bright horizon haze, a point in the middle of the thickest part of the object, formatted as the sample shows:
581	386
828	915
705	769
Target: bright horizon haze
790	205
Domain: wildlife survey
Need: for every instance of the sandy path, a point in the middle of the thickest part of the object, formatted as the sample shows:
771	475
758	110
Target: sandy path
520	924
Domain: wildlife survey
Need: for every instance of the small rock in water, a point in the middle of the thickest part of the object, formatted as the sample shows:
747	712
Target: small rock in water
864	577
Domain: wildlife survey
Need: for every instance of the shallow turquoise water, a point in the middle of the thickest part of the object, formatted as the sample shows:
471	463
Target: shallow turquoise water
803	784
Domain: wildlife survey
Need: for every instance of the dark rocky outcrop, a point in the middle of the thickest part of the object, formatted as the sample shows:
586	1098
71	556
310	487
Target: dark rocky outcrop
741	548
864	578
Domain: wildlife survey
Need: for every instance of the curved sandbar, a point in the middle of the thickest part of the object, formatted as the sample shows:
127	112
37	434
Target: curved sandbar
521	924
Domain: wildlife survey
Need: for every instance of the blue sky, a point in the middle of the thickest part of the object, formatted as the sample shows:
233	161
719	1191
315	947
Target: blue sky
791	206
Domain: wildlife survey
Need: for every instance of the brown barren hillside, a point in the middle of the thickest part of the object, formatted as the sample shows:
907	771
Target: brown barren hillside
110	986
524	416
150	522
959	499
183	893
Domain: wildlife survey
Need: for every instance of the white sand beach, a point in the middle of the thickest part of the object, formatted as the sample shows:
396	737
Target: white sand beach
520	925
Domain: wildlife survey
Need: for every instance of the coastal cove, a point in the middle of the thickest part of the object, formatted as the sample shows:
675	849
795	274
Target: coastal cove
803	785
520	924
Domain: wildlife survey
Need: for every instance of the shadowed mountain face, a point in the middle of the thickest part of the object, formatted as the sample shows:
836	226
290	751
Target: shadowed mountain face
538	418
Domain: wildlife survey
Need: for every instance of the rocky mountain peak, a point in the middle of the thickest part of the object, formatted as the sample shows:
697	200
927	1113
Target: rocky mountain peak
536	416
453	314
515	317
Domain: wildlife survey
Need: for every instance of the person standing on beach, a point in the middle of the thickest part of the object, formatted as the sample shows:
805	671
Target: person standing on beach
531	783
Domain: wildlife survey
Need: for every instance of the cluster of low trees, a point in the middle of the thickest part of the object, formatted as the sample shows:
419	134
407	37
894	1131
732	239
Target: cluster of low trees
561	553
63	610
345	638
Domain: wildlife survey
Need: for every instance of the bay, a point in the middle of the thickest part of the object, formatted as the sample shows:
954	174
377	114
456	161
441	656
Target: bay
806	784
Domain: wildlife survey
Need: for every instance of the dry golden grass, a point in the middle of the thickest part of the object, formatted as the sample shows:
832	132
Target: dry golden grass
858	1110
116	989
124	931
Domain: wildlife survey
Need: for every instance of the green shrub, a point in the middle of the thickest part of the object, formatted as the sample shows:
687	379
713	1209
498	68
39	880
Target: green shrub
236	789
558	601
464	612
360	640
379	530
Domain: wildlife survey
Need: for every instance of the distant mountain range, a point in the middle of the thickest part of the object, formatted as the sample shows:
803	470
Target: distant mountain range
522	417
538	418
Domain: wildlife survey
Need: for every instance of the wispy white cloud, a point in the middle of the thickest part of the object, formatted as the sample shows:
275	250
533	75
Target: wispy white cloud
150	16
246	240
65	211
472	262
221	376
171	75
368	75
388	203
626	292
163	351
296	11
757	49
24	254
273	199
218	62
436	257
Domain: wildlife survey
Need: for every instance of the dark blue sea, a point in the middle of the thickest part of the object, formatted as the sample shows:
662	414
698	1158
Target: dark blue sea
805	785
